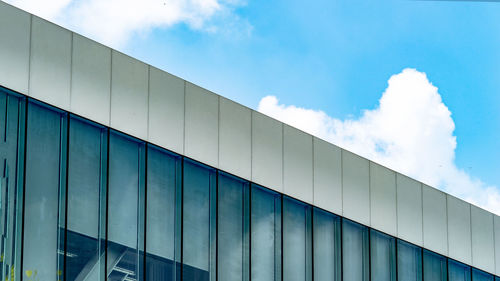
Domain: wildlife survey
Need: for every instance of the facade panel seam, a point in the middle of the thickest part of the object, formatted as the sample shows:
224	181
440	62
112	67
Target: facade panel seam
447	226
369	193
422	212
312	175
397	209
184	121
110	85
218	131
342	181
30	54
251	144
283	157
494	245
149	94
71	70
470	230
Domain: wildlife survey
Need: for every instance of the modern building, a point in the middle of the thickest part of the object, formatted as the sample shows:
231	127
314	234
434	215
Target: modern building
113	169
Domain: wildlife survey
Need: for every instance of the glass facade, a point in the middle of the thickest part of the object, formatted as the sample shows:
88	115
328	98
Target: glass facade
80	201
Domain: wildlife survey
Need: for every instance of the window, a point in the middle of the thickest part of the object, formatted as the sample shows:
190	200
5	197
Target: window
125	208
409	262
233	229
434	267
297	240
327	258
163	226
199	226
478	275
382	256
266	235
355	252
458	271
86	201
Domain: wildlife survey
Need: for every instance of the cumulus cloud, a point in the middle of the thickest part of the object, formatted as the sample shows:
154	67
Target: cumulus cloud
410	131
113	22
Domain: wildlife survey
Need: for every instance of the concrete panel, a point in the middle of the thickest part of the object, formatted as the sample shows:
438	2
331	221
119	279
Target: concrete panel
297	164
267	151
355	187
435	222
129	95
235	138
50	70
383	199
459	232
15	48
496	221
483	244
327	176
201	140
166	110
91	80
409	209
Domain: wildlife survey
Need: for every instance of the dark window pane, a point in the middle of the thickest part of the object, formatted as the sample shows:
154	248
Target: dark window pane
43	242
125	213
327	256
266	235
355	252
409	262
458	271
233	227
199	223
383	257
478	275
297	255
434	267
86	185
163	216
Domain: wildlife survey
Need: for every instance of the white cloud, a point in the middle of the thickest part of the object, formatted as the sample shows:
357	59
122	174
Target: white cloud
410	131
113	22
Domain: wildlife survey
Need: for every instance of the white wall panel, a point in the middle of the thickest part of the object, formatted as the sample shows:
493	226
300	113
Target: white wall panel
383	199
355	187
129	95
327	176
14	48
91	79
297	164
459	232
267	151
496	229
202	125
235	138
166	110
409	208
483	245
50	70
435	222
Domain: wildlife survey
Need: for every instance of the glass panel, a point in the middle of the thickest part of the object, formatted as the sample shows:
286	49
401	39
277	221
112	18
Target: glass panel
383	256
266	235
12	113
198	222
355	252
125	208
43	242
327	258
297	263
233	228
86	185
163	216
478	275
434	267
458	271
409	262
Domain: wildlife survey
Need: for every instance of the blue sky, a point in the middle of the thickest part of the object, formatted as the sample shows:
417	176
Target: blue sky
337	56
330	58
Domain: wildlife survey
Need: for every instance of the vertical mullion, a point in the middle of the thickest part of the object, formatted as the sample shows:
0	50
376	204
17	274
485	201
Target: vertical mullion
22	166
66	198
145	208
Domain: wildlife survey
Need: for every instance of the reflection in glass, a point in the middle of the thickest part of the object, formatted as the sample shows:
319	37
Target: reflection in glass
233	228
125	209
383	256
163	216
355	252
199	224
297	255
409	262
43	240
327	258
86	189
478	275
434	267
266	235
458	271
